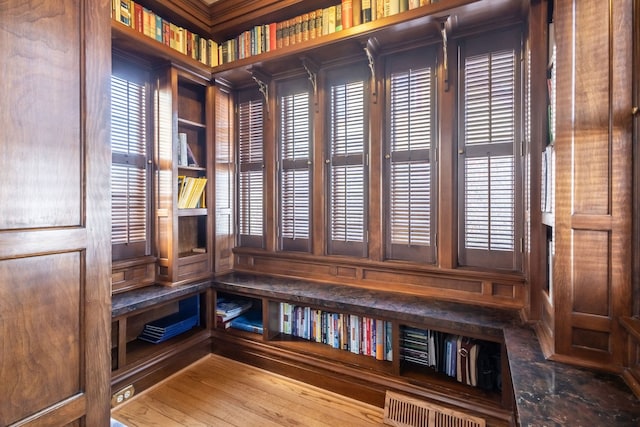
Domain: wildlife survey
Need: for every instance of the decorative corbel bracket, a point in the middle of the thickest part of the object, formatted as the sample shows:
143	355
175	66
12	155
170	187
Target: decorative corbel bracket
312	70
445	56
263	85
371	49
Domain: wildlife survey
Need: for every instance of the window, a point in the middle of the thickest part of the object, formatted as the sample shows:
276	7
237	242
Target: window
295	166
409	175
251	170
130	175
347	185
490	226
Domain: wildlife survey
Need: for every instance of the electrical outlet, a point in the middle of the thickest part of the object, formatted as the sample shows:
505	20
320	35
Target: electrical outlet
122	395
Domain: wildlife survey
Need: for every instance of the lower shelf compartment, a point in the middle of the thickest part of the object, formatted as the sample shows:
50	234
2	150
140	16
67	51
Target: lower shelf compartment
357	376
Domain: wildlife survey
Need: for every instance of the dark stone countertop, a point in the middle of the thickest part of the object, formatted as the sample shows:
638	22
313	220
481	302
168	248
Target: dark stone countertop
547	393
149	296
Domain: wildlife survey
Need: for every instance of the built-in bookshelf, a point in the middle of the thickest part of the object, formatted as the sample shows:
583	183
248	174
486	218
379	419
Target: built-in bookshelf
152	322
184	226
310	25
150	24
342	340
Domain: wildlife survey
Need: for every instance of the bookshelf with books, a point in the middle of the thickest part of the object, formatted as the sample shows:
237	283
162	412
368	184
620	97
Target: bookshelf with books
158	327
356	349
183	157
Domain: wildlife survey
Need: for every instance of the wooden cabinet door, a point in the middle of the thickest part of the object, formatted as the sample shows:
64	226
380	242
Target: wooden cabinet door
55	246
592	267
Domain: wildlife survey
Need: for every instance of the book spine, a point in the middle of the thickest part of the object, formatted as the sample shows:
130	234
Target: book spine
347	14
366	11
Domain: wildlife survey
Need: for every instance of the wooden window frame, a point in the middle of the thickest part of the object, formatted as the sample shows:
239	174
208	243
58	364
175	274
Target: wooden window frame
135	74
492	259
408	133
292	204
254	166
355	73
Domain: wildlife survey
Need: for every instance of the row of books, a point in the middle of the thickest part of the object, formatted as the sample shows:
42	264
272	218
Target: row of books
357	334
186	318
191	192
469	361
145	21
308	26
261	38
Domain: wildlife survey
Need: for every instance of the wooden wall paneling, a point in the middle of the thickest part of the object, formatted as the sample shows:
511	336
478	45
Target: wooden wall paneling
55	249
377	94
636	157
210	191
490	289
318	202
224	239
166	219
447	157
270	157
592	280
536	259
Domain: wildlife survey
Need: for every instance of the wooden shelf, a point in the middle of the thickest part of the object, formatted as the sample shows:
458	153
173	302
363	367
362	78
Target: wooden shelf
243	344
416	24
423	23
192	212
185	122
131	41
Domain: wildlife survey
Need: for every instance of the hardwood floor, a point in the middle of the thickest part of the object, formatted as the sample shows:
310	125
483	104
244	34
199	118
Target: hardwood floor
217	391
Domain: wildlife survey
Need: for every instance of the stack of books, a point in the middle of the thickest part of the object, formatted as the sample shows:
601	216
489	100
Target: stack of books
187	317
251	321
228	308
191	192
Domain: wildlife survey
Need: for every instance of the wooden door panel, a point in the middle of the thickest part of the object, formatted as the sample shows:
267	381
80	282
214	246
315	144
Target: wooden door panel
40	115
40	306
55	249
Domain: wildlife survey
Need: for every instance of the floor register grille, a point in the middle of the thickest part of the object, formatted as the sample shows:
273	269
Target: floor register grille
405	411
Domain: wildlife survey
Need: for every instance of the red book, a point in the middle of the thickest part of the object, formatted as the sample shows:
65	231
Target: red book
138	18
166	33
272	36
347	14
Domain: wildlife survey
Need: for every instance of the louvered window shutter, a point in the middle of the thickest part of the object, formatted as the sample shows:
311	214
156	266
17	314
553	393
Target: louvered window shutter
251	176
409	200
129	175
295	167
348	184
489	176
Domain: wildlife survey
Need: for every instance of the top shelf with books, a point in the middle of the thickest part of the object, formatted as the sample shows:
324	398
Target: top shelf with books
417	22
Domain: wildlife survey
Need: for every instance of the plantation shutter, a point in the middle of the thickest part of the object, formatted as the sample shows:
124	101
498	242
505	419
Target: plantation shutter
348	184
295	167
490	193
408	159
251	176
130	208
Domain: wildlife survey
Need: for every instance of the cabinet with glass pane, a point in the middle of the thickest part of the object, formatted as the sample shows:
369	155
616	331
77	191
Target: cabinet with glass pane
183	180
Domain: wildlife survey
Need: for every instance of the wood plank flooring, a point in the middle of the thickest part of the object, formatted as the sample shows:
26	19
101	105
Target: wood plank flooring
216	391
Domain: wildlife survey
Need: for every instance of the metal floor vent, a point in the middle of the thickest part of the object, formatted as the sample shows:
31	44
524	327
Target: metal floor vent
405	411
